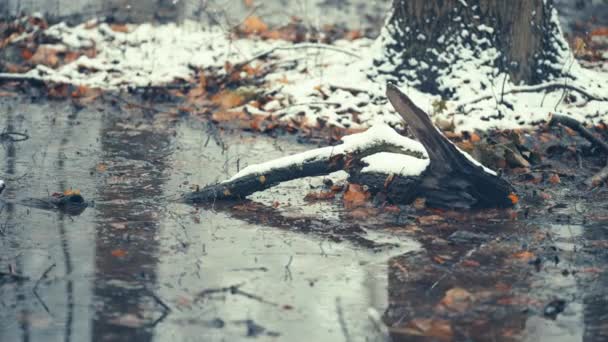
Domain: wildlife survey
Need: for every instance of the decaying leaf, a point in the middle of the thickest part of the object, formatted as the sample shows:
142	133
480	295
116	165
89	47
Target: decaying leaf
438	328
355	196
319	196
456	299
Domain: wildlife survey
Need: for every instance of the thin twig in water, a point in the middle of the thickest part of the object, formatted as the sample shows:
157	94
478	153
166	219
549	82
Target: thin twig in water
35	289
341	320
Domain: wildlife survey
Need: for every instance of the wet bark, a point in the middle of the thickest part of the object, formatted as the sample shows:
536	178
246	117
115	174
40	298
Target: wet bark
452	180
433	33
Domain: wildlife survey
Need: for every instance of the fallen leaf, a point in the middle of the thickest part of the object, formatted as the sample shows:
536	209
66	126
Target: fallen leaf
227	99
457	299
438	328
119	28
470	263
429	220
524	255
253	24
119	253
355	196
513	197
554	179
319	196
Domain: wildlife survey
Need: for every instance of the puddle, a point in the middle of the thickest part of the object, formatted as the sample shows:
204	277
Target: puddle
138	265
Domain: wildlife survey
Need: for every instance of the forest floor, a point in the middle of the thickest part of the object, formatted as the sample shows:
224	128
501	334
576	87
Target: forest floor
306	260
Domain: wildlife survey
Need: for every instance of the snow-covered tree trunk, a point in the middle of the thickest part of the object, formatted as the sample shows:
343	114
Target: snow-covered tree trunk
426	39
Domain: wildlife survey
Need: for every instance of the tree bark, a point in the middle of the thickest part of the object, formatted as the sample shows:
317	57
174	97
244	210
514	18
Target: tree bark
429	37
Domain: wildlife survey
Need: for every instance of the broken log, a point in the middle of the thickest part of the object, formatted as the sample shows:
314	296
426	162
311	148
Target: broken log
454	179
349	156
387	163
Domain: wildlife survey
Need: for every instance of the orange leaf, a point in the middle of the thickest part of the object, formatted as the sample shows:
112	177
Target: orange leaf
437	328
319	196
457	299
475	138
470	263
355	196
554	179
514	198
253	24
119	28
227	99
119	253
524	255
71	192
101	167
429	220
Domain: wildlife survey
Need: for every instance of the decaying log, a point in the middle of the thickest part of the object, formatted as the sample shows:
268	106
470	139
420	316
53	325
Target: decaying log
453	179
436	170
318	162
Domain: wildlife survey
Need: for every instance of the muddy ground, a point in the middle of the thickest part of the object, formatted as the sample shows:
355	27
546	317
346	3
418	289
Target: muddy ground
138	265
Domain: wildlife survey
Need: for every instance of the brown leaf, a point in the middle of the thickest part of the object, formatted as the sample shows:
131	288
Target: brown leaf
437	328
429	220
319	196
253	24
355	196
524	255
227	99
457	299
119	28
554	179
45	55
119	253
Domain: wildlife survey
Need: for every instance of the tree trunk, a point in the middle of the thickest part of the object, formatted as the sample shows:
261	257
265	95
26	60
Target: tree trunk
427	39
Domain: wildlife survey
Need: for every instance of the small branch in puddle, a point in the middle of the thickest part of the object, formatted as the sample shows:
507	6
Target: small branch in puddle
13	136
166	308
35	289
235	290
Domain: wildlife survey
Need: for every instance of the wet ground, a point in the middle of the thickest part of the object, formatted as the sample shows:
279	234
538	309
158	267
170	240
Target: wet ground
138	265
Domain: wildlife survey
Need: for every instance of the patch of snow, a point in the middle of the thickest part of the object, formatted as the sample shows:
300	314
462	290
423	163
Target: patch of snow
374	136
395	163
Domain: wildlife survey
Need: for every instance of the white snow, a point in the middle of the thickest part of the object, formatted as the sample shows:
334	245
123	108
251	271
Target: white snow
374	136
329	85
395	163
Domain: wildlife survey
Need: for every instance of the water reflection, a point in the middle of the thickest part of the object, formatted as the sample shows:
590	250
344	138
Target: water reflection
126	243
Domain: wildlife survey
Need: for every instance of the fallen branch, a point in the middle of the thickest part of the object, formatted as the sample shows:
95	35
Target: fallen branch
318	162
576	125
602	175
295	47
534	89
9	77
454	179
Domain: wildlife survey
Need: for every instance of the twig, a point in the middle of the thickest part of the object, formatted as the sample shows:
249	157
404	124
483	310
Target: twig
166	309
296	47
13	136
10	77
35	289
578	127
235	290
534	89
341	320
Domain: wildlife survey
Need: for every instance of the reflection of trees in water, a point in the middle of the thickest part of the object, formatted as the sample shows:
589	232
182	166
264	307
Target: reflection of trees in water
9	208
595	299
128	215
